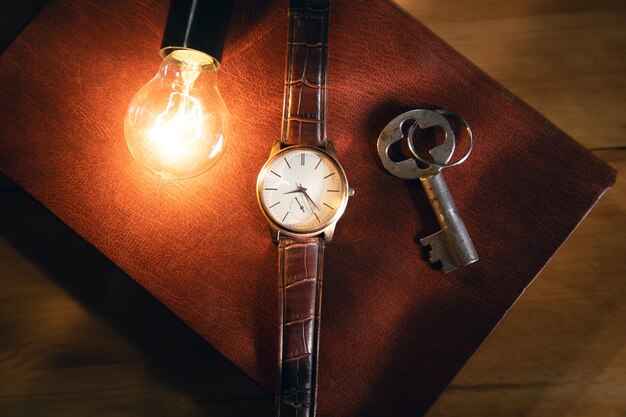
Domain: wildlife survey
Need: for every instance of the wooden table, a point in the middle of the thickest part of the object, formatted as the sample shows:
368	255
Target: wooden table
79	338
561	351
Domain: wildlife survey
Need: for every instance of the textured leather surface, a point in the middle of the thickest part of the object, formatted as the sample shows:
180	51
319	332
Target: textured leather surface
304	112
395	331
300	265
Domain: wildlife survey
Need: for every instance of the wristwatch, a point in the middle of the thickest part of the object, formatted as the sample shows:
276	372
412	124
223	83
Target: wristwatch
303	191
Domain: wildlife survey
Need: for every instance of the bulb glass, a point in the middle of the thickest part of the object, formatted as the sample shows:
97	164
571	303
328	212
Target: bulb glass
177	124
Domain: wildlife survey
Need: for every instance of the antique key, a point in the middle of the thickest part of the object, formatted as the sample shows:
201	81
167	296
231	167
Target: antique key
451	245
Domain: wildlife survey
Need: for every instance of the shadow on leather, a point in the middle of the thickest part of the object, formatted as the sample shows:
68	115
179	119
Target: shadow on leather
180	362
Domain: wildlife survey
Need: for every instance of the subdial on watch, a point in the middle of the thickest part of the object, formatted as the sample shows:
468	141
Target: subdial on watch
299	208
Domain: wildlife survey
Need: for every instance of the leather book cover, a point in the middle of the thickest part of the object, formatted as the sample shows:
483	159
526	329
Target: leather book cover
394	330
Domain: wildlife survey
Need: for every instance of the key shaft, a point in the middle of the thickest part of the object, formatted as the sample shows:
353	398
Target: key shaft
457	241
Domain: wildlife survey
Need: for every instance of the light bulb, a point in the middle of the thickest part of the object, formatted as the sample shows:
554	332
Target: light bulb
177	124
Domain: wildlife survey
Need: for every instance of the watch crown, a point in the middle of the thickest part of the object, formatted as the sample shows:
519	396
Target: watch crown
350	192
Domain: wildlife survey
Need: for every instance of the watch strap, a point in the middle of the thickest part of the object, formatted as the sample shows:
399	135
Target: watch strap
300	262
304	109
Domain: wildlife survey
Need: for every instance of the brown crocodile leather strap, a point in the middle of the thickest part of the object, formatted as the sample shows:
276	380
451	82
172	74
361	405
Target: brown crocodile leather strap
300	295
304	110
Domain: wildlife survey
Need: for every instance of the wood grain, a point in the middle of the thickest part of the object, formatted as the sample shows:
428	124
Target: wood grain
566	59
79	338
561	351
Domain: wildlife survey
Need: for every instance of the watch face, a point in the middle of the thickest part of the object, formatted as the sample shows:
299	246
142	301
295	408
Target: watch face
302	189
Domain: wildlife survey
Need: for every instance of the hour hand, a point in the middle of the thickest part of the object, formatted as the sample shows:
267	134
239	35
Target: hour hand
299	189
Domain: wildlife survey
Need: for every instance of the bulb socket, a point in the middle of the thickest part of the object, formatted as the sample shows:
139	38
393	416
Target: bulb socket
197	24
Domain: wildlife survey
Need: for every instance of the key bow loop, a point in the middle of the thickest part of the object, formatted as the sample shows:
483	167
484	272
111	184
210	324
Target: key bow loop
392	133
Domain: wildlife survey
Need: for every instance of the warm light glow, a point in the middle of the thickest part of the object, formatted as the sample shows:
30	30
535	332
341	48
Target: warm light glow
178	128
177	124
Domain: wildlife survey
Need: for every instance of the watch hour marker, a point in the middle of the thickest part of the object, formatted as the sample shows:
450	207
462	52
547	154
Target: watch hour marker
302	159
318	163
287	214
271	189
332	191
318	219
287	162
275	174
328	206
274	205
330	175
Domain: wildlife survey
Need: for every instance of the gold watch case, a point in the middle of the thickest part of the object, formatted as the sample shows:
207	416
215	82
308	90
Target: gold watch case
326	228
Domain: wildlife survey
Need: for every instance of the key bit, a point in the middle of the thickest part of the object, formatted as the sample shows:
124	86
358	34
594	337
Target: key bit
438	252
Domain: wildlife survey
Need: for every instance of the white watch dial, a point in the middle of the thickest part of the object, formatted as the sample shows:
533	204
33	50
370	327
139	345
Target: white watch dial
302	189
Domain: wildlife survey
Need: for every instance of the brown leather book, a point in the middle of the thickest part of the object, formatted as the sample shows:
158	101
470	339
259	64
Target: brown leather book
394	330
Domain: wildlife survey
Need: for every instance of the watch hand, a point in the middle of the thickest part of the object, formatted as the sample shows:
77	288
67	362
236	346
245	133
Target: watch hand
310	200
301	206
299	189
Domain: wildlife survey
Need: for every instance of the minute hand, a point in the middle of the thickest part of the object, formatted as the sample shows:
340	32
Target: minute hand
306	195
